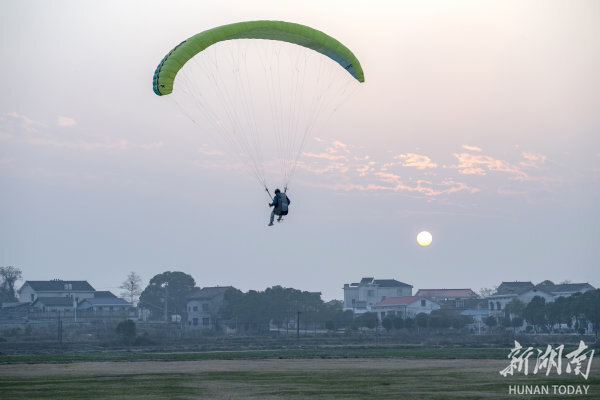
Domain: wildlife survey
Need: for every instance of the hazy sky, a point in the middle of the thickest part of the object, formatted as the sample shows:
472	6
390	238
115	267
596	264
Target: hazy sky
478	121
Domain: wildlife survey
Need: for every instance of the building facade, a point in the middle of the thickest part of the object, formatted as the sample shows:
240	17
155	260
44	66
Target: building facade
203	307
361	297
404	307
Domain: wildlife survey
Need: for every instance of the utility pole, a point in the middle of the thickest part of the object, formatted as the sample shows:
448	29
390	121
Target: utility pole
59	329
298	325
166	286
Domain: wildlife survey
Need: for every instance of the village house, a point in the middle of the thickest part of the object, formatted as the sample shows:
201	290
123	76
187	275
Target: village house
362	296
404	306
53	305
203	307
526	291
451	298
106	306
72	299
77	290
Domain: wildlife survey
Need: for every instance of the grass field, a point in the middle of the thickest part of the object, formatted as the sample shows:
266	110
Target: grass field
234	375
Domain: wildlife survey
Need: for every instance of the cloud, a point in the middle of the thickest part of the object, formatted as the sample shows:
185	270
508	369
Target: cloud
105	143
416	160
63	121
470	164
153	145
13	121
326	156
532	160
210	152
471	148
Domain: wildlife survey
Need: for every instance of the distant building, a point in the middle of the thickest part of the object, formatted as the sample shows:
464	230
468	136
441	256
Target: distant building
53	305
203	307
77	290
105	306
404	307
564	289
526	291
360	297
451	298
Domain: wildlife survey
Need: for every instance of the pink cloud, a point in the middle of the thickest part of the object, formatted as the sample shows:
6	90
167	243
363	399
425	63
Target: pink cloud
416	160
471	148
470	164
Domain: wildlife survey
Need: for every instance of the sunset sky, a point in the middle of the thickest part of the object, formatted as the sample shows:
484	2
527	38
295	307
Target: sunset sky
478	122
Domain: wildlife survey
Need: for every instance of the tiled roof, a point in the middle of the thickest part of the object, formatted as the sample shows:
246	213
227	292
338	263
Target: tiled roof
54	301
570	287
446	293
103	294
390	283
514	287
106	301
58	286
397	301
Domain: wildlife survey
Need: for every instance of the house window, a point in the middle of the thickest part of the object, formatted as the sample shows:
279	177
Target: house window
205	321
68	286
204	306
195	308
498	305
32	297
422	303
195	320
370	293
492	306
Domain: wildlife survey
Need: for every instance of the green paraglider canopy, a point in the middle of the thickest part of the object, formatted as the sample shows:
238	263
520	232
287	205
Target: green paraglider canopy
301	35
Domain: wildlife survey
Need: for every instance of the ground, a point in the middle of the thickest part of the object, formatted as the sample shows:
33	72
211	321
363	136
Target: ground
343	378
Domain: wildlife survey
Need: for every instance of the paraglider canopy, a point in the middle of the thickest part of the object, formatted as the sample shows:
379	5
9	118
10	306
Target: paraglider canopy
272	30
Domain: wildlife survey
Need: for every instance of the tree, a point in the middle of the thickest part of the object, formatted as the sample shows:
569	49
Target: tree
132	288
535	311
9	275
591	309
421	320
368	320
514	308
388	322
126	329
167	293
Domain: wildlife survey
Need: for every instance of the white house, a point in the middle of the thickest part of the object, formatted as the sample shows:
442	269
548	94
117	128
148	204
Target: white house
77	290
404	307
526	291
106	306
361	297
53	305
454	298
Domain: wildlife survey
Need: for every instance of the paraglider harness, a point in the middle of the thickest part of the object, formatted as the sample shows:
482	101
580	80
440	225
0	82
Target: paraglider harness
281	208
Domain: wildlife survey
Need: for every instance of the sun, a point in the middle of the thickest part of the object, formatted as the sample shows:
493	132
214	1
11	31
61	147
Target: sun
424	238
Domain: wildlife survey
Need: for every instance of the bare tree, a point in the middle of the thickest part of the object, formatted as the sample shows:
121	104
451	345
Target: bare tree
486	292
9	276
132	288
